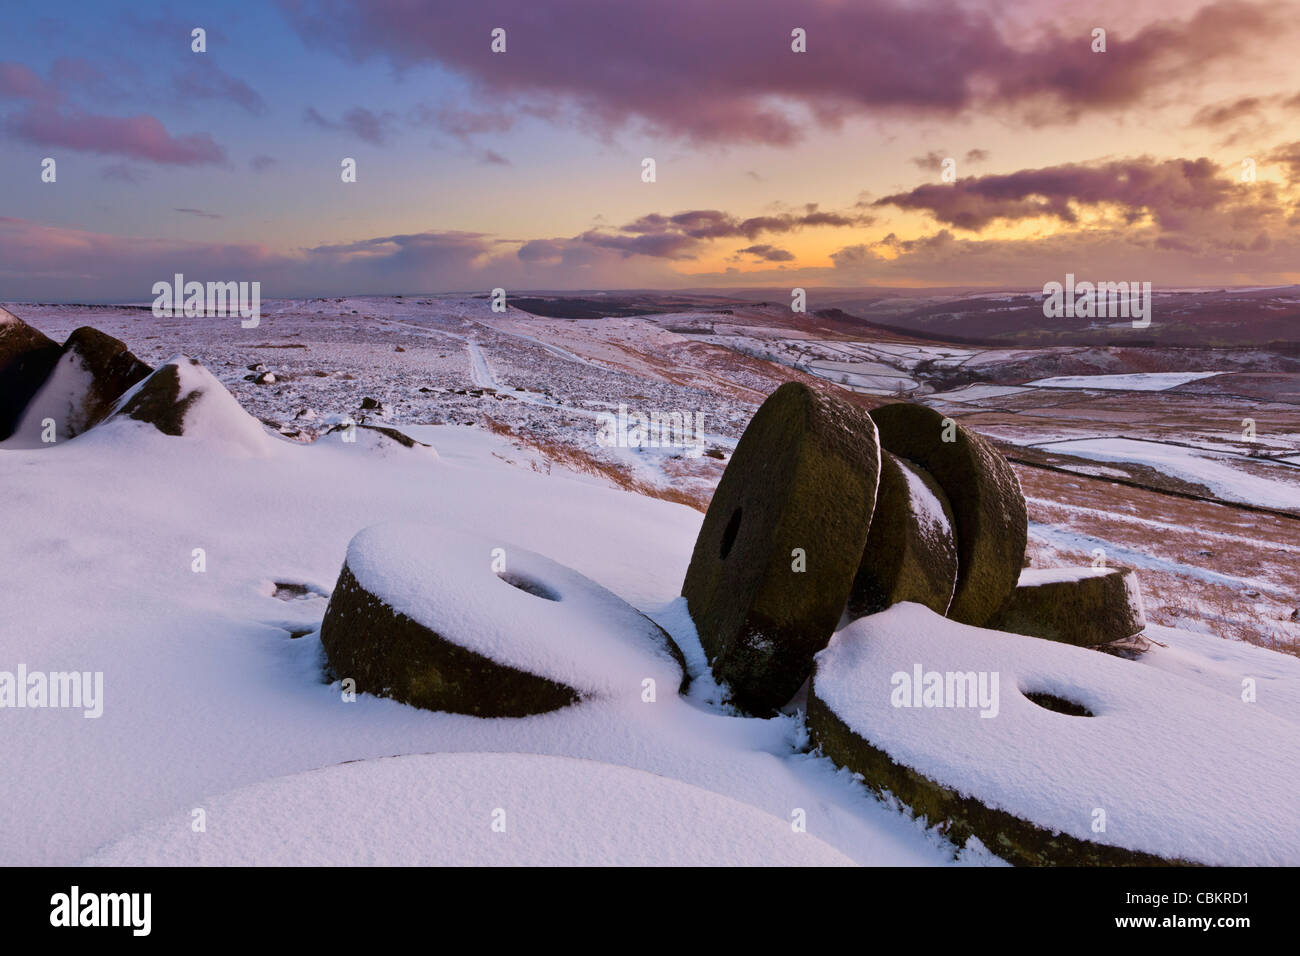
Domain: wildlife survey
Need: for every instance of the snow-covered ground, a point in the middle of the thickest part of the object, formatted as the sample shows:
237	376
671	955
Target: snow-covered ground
205	691
1130	382
214	680
209	703
1227	476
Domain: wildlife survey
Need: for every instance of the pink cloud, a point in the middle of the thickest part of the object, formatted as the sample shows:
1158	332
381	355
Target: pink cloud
135	137
724	71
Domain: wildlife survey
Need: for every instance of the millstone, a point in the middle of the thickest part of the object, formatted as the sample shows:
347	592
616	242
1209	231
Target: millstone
391	655
962	816
1084	606
911	551
988	507
456	622
775	559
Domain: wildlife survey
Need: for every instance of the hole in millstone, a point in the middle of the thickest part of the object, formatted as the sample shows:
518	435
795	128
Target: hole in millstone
535	588
729	534
293	591
1059	704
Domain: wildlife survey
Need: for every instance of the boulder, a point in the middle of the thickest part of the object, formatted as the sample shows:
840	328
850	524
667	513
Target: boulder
1084	606
181	397
911	551
776	556
987	505
93	372
26	359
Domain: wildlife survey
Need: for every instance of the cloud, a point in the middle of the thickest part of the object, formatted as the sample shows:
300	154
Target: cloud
122	173
196	212
261	162
716	224
1168	190
931	162
372	127
135	137
766	253
210	82
648	63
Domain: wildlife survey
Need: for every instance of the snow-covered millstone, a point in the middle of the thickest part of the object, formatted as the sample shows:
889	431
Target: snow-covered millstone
988	507
1083	606
1164	769
774	562
911	551
182	397
474	809
451	621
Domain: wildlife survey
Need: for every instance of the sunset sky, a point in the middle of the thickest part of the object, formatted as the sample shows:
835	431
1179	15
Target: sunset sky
523	169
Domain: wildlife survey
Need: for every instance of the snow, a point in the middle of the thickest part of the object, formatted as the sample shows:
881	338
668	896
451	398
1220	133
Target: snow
1129	382
1180	772
582	636
60	398
1037	577
975	393
214	416
440	810
205	691
1224	474
927	508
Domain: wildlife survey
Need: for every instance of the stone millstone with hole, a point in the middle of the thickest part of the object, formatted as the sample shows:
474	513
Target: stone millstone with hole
802	482
391	655
1084	606
416	617
988	507
911	551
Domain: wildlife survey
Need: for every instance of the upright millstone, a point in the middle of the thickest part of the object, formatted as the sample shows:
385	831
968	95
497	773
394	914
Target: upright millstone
987	504
911	551
776	556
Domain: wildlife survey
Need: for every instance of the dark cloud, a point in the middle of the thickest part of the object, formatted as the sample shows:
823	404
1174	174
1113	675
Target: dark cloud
716	224
632	61
766	253
197	212
1168	190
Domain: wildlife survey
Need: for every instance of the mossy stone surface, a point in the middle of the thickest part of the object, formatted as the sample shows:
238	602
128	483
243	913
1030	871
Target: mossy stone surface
960	816
113	368
909	555
988	508
389	654
799	491
1090	610
159	401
